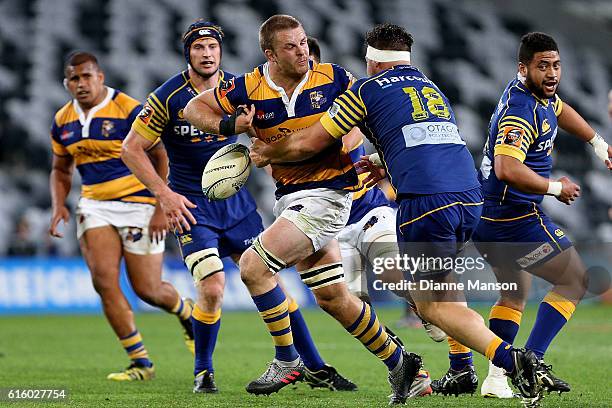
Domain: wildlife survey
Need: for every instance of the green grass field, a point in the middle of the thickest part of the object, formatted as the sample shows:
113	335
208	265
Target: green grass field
79	351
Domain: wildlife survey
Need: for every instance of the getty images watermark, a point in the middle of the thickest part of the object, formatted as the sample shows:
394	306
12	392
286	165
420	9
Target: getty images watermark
422	265
481	270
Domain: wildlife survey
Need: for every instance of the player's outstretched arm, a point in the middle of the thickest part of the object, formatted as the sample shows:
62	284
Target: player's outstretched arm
204	112
60	181
298	146
158	224
175	206
516	174
571	121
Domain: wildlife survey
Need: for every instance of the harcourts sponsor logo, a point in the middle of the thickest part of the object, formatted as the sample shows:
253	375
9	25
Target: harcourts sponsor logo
384	82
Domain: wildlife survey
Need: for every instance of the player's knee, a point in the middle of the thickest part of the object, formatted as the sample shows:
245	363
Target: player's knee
429	311
147	293
210	292
257	263
105	286
203	264
250	270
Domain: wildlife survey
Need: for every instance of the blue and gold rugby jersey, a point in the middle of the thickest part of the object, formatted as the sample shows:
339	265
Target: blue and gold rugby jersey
188	148
365	199
95	143
524	127
278	116
412	125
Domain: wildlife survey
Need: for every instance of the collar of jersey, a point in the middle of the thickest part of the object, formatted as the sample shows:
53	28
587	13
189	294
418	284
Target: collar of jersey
524	88
400	66
289	103
195	88
86	121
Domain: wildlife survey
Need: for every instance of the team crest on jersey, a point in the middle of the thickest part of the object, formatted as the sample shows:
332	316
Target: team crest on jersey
513	136
108	128
559	232
317	99
225	87
146	114
545	127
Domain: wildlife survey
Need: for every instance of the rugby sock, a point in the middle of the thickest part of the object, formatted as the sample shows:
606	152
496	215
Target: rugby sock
499	352
302	341
132	343
553	313
273	309
368	330
182	310
505	322
459	355
205	330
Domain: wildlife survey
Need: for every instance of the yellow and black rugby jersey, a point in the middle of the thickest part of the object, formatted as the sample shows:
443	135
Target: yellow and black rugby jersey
188	148
95	143
524	127
278	116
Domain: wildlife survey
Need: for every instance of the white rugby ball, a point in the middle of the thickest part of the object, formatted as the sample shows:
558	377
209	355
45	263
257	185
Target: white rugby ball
226	172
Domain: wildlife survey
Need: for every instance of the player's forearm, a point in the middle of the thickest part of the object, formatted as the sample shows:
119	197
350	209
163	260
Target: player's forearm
291	149
159	158
141	166
517	175
60	183
202	116
571	121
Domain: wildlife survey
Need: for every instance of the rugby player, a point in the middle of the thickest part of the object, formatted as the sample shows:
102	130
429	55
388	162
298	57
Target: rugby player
285	94
116	216
370	234
206	230
515	174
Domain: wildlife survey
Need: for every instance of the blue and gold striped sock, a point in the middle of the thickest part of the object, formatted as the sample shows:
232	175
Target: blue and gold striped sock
368	330
500	354
135	349
182	310
459	355
505	322
302	340
205	330
274	310
554	311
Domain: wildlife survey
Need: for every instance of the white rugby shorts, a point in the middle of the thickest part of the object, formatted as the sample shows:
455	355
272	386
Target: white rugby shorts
131	220
377	225
319	213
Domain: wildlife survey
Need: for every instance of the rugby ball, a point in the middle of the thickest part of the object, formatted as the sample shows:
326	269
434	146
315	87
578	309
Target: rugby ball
226	172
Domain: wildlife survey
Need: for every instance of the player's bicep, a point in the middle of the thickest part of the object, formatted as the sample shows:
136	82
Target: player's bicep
62	164
151	120
346	112
231	94
136	140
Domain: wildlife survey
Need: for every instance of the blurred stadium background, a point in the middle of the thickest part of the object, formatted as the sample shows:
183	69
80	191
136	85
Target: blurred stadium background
467	47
